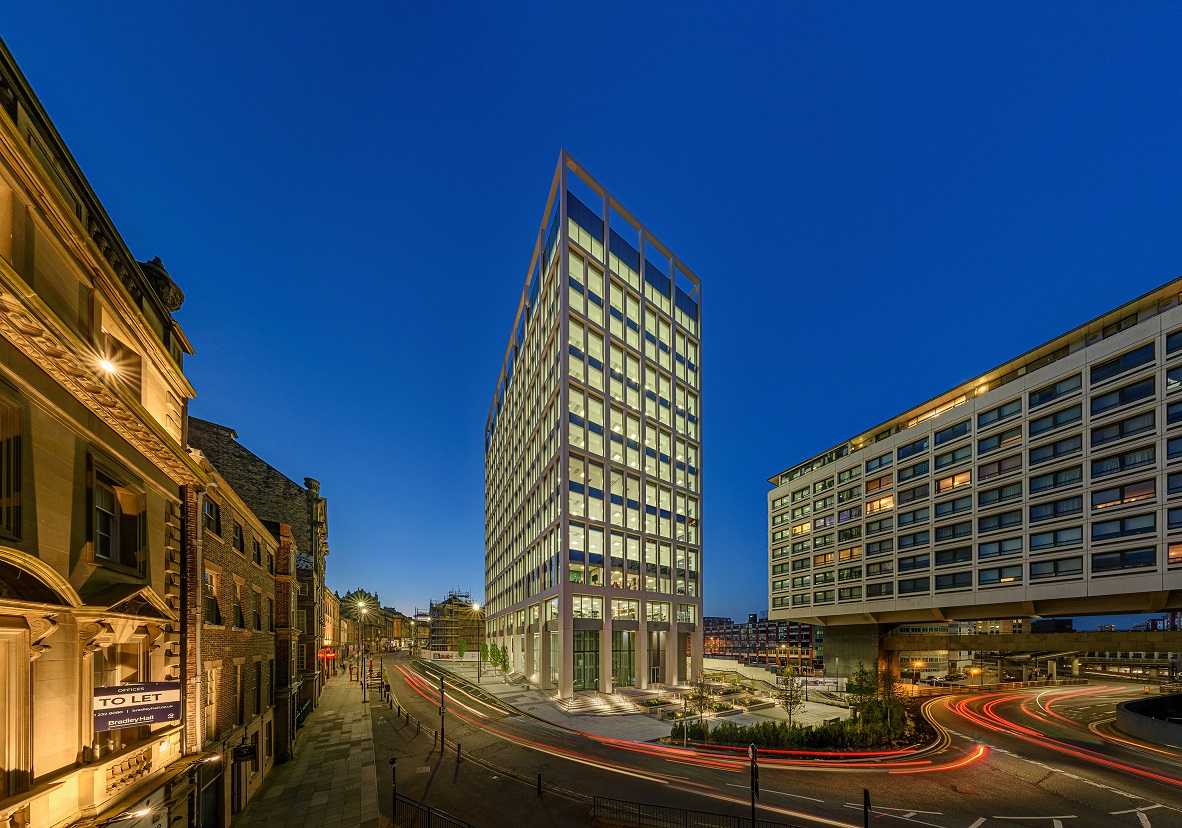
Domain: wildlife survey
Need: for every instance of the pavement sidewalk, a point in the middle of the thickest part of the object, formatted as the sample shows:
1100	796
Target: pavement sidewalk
332	781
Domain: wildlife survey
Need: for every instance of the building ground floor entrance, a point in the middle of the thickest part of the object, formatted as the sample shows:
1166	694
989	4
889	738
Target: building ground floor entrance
586	660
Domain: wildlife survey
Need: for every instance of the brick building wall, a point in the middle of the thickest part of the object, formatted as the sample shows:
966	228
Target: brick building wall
232	647
274	497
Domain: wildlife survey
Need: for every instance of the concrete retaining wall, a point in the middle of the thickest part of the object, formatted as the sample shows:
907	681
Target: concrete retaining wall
1146	719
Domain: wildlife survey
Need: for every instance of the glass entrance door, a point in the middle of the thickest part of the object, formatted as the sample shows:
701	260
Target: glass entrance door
586	659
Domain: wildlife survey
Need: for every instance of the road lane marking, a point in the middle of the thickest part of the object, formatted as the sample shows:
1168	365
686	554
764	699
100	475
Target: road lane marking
980	821
879	812
1140	812
1056	821
781	793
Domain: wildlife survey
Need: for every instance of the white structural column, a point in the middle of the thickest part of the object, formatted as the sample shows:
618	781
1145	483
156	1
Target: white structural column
566	673
672	659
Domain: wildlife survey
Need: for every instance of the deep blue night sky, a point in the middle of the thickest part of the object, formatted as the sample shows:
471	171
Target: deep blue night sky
882	201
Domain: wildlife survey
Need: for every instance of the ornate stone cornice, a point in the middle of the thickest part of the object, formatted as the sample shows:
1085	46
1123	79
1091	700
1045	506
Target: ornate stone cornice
24	322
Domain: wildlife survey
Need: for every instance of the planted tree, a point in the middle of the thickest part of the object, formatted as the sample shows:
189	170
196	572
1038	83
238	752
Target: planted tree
462	648
790	693
699	699
484	651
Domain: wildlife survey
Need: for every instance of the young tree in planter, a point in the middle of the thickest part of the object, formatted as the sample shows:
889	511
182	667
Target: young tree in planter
699	698
484	651
503	659
790	693
890	695
863	687
462	648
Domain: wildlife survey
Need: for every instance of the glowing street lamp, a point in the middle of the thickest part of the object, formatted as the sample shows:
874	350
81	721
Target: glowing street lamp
917	664
976	671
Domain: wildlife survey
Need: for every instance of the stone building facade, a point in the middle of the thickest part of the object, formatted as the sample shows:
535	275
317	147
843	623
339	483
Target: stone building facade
274	497
92	474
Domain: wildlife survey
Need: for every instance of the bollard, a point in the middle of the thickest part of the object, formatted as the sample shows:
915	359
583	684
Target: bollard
418	728
436	739
539	784
459	753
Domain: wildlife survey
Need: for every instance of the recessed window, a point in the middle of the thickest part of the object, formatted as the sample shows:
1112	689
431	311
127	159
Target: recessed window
1137	424
999	548
879	462
1000	575
1061	388
1070	536
1116	463
910	586
851	473
914	539
1056	509
239	539
954	580
1000	494
1055	480
914	562
212	517
954	530
913	448
879	483
952	507
1123	396
951	458
117	517
1110	368
913	517
881	547
1128	559
1053	451
1122	495
917	470
1060	568
1056	419
880	590
877	569
959	554
952	432
1124	527
953	481
999	467
1004	439
1001	521
912	494
1001	412
874	527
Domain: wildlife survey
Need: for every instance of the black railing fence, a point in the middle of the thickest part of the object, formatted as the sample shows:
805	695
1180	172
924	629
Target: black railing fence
410	813
641	815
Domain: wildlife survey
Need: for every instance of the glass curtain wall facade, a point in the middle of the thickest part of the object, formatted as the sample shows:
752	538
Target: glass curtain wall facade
593	455
1051	485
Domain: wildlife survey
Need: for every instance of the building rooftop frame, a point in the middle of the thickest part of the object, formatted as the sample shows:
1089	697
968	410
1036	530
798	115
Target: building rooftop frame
567	164
1161	298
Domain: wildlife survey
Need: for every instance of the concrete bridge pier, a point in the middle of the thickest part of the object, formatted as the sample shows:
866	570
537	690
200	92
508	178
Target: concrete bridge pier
1075	668
847	646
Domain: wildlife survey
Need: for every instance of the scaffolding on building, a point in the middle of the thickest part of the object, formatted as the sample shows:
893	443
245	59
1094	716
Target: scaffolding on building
455	619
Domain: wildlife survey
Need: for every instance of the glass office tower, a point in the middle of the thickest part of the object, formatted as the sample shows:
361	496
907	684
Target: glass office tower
593	533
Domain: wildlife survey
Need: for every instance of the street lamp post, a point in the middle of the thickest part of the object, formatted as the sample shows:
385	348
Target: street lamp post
917	664
976	671
361	666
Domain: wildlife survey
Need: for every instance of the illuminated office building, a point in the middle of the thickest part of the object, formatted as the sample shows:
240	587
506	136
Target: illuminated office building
593	455
1050	485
